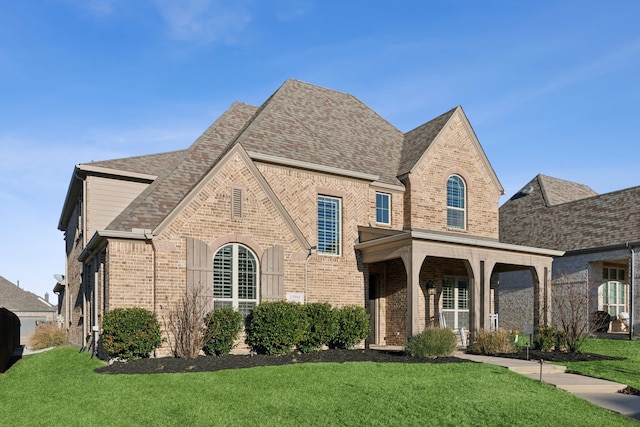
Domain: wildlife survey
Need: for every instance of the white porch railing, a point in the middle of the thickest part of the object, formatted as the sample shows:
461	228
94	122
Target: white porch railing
493	322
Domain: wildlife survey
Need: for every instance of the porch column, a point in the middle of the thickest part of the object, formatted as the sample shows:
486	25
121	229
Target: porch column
486	268
475	295
541	295
412	266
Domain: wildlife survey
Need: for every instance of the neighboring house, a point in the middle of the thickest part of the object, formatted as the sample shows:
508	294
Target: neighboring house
600	234
310	197
29	308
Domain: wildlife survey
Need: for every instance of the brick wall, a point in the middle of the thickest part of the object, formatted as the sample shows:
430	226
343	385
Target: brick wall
454	152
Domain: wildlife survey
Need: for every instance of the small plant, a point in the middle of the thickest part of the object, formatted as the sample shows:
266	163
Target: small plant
130	333
184	324
545	338
47	335
322	327
276	327
432	342
353	326
223	327
500	341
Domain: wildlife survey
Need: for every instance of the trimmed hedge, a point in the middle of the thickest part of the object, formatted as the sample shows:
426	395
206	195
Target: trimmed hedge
276	327
223	326
130	333
322	327
353	326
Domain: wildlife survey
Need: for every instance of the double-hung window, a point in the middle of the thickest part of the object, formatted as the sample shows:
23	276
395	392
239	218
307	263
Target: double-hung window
456	206
329	225
235	278
383	211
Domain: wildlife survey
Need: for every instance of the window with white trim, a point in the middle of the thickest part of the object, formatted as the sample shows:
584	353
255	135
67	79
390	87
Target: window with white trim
455	302
613	291
383	208
456	206
235	278
329	225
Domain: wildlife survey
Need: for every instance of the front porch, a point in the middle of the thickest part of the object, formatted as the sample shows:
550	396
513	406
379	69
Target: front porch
420	279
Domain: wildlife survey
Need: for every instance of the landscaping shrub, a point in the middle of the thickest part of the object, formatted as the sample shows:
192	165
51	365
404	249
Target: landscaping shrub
432	342
223	327
500	341
322	327
276	327
353	326
47	335
600	321
184	324
130	333
545	338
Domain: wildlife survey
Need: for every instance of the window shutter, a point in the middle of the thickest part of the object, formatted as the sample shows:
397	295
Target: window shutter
272	279
236	202
200	271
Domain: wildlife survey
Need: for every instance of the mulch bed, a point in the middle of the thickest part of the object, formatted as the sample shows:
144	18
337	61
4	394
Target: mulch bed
557	356
218	363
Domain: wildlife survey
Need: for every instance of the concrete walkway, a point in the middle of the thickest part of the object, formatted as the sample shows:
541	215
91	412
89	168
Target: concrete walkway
599	392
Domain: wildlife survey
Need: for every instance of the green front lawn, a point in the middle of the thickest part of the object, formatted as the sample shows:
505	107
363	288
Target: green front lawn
622	371
59	387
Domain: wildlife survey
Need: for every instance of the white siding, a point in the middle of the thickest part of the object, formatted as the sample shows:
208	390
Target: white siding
107	198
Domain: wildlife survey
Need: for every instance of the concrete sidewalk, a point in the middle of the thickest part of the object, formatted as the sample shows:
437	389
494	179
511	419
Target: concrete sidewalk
599	392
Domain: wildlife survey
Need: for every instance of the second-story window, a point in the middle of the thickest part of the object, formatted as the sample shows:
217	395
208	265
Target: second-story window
456	206
383	211
329	228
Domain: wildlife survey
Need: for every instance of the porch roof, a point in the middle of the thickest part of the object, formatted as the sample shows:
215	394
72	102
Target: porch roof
375	238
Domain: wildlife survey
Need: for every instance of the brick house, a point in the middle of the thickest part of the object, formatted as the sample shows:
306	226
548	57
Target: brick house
600	235
311	196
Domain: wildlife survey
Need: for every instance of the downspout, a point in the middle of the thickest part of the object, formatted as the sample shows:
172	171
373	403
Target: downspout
632	273
95	328
312	250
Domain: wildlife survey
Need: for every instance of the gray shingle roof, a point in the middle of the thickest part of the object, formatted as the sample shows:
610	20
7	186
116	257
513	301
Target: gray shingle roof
419	139
299	122
572	220
312	124
16	299
152	164
557	191
189	166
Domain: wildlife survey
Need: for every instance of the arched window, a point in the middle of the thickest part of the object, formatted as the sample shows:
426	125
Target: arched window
456	206
235	278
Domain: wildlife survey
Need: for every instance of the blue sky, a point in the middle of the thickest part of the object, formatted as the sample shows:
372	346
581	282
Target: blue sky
550	87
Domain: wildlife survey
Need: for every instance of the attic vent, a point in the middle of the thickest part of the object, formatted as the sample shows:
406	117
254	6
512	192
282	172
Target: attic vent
236	203
527	190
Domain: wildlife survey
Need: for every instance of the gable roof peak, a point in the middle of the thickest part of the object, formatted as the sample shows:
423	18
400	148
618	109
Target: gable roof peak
557	191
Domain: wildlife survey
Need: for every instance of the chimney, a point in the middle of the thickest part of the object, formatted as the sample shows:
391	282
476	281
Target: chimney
46	296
